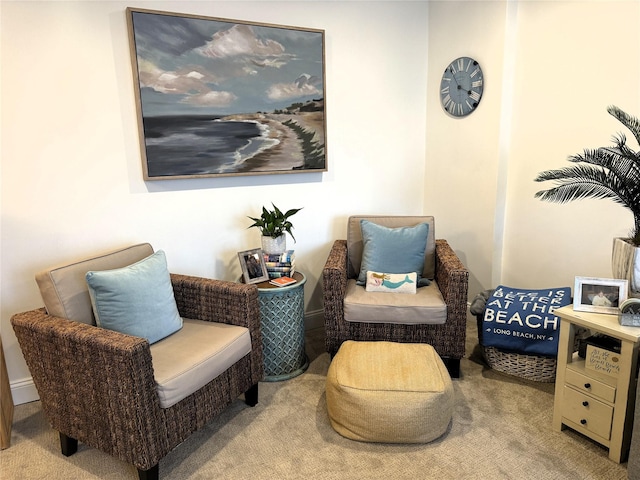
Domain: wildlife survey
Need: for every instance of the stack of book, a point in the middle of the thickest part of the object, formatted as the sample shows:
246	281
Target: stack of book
280	264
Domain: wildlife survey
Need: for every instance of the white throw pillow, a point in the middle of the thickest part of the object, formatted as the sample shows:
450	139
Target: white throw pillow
391	282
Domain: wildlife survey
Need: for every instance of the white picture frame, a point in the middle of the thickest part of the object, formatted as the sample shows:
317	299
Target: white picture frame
599	295
254	269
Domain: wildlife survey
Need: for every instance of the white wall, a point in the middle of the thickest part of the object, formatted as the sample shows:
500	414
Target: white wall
463	154
551	70
71	174
587	58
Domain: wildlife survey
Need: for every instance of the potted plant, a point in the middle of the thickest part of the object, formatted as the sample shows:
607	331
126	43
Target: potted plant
273	224
606	172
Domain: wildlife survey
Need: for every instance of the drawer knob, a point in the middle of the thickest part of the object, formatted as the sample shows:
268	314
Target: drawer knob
587	385
585	403
583	421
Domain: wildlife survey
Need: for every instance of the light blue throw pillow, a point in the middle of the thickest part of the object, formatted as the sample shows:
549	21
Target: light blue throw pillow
392	250
137	300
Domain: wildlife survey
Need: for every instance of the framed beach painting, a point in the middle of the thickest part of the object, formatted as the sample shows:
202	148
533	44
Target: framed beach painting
218	97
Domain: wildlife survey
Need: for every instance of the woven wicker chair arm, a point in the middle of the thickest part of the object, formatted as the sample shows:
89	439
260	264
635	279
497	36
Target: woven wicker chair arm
90	379
334	287
233	303
451	275
334	273
217	300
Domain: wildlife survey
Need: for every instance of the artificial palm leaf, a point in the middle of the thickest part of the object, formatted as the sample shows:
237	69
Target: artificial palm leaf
606	172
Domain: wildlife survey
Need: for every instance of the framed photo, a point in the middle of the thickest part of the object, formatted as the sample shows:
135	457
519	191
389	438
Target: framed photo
254	270
601	295
218	97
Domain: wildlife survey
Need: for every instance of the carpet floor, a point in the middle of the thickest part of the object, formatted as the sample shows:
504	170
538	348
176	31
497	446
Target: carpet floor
501	429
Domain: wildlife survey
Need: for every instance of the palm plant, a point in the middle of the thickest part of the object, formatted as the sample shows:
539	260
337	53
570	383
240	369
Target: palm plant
605	172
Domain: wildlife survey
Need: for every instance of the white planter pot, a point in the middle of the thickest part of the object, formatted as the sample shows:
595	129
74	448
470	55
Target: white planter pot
625	263
274	245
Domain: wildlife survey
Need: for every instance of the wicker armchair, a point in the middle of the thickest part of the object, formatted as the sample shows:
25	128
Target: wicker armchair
97	386
451	278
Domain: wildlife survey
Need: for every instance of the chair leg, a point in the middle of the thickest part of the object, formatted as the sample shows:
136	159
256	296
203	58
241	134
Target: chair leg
453	365
251	396
68	445
152	474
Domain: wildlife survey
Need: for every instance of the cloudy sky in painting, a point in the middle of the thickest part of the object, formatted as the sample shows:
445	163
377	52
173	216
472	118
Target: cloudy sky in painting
198	66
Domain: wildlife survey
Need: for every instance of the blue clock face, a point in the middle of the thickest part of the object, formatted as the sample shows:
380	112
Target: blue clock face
461	87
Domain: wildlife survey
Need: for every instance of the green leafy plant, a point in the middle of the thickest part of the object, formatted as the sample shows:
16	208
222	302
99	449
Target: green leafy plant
605	172
273	223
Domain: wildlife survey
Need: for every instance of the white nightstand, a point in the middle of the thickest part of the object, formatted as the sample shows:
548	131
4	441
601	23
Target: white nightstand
597	405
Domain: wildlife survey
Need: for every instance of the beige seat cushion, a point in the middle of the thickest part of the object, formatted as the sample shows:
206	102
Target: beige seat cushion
389	392
64	289
425	307
189	359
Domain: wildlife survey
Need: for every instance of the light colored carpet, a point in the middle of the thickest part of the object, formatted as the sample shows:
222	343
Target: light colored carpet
501	428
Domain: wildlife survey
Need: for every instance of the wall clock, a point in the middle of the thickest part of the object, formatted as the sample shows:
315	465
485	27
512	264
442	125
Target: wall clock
461	87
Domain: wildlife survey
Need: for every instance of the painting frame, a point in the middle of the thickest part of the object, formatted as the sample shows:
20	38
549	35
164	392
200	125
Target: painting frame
218	97
253	272
588	288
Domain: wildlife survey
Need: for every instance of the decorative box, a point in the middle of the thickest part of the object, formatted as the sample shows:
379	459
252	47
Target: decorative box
630	312
629	319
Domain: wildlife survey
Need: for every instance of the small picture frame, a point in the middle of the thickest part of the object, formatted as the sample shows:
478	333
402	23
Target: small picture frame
254	270
599	295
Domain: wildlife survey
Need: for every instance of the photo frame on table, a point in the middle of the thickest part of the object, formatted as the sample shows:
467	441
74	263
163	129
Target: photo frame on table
254	270
600	295
218	97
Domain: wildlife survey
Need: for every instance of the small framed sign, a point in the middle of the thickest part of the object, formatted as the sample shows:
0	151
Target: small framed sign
253	267
600	295
603	361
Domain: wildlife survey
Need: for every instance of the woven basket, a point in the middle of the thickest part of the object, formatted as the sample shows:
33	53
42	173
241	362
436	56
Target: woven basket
531	367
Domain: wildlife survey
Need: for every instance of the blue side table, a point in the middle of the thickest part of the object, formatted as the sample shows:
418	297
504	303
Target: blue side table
282	322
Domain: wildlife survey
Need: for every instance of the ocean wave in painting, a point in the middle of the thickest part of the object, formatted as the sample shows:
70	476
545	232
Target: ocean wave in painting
201	145
255	146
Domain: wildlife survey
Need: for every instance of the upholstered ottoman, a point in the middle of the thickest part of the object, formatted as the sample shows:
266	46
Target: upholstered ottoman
389	392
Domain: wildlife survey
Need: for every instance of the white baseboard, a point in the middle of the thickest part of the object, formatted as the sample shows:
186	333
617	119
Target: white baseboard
314	319
24	391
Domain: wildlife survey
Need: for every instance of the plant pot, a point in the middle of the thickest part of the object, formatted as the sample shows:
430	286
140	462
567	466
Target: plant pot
625	263
274	245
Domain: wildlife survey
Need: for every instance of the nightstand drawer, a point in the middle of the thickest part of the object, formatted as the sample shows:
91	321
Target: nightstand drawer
588	412
590	385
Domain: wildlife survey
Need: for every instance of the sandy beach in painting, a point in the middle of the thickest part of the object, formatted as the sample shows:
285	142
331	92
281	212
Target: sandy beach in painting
285	152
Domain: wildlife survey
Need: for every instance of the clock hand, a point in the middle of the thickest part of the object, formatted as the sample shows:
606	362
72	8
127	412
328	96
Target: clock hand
454	78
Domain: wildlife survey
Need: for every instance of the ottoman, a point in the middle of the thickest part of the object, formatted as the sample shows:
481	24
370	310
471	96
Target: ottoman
389	392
